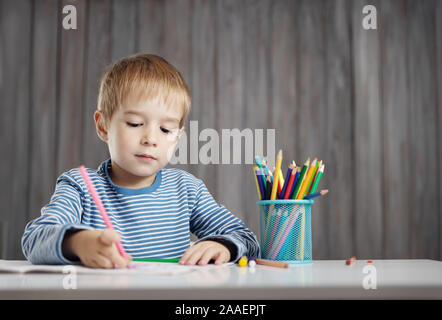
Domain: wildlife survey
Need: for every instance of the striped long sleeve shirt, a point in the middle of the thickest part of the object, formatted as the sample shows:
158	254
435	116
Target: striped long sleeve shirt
154	222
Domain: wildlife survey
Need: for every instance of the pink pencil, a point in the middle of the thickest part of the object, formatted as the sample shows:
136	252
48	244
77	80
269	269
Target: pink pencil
100	206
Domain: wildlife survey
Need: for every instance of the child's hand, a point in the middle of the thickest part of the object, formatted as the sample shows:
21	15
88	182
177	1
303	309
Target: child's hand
96	248
204	251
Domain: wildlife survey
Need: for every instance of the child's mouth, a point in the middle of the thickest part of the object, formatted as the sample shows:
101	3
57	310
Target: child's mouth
145	157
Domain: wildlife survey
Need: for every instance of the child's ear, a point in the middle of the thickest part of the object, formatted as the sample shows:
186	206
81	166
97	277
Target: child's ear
100	125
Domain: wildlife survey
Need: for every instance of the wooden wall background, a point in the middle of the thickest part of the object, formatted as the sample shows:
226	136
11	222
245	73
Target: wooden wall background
368	103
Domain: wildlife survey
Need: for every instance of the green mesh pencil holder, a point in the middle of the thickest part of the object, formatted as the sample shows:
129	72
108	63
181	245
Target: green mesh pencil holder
285	230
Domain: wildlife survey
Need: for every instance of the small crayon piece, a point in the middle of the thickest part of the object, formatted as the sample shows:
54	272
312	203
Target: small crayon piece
242	261
351	261
271	263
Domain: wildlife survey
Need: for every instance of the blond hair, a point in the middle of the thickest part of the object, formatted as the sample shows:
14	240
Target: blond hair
147	75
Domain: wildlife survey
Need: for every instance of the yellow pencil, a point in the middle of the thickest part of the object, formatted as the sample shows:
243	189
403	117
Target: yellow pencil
307	179
281	178
276	177
256	180
309	183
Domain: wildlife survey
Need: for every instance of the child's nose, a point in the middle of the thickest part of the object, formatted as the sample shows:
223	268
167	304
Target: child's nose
149	136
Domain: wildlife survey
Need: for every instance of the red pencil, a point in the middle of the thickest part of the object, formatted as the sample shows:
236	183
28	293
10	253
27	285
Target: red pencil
290	184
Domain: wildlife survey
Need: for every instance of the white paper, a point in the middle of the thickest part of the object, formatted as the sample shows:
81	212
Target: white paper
157	268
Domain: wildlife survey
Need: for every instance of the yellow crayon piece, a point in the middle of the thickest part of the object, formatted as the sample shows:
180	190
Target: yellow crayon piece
243	261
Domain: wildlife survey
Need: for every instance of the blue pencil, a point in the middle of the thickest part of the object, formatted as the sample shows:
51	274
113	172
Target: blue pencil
314	195
286	182
294	183
260	183
259	164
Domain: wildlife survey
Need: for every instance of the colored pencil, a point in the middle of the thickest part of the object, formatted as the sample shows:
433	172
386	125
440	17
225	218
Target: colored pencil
290	181
301	178
281	181
259	164
318	177
268	188
315	174
280	240
278	191
298	173
287	178
317	194
301	191
255	174
271	263
157	260
310	179
276	178
100	206
264	166
260	185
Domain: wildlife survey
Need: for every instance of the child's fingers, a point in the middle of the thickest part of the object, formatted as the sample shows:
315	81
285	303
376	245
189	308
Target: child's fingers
208	254
187	254
195	256
103	262
115	257
108	237
223	257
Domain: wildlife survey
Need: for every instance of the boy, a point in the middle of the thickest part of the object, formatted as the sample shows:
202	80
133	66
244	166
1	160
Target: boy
142	105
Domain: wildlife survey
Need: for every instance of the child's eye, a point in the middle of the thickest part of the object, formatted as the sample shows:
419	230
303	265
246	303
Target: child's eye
165	130
133	125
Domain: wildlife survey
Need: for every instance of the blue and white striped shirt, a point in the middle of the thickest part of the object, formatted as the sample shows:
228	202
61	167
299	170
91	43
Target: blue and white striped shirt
154	222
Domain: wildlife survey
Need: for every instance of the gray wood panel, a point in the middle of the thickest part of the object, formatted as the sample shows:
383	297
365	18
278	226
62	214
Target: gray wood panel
422	94
336	217
71	91
177	43
16	47
366	102
396	124
258	82
230	99
98	56
42	146
311	113
438	18
203	88
367	132
124	22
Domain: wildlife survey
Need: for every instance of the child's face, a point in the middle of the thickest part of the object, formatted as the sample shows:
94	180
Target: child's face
137	128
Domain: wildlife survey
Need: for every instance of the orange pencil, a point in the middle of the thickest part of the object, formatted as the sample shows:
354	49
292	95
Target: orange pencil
306	181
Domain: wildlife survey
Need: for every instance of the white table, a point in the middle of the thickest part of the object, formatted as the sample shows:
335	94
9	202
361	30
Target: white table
327	279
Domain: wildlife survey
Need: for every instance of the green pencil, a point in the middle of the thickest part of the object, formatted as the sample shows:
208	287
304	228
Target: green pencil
301	178
318	177
157	260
